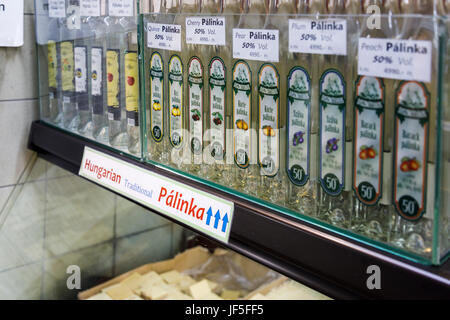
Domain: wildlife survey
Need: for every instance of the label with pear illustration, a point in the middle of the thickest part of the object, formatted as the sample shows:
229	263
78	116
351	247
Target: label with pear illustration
268	102
242	101
298	121
67	66
52	65
195	96
156	96
97	80
176	101
113	84
368	142
411	149
217	105
132	88
332	131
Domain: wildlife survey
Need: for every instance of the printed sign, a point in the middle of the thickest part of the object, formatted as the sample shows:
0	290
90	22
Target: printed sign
11	23
164	36
256	44
56	8
205	30
90	8
121	8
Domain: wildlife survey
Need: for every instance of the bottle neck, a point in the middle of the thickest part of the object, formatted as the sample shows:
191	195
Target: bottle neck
211	6
173	6
191	6
255	6
335	6
417	6
313	6
365	4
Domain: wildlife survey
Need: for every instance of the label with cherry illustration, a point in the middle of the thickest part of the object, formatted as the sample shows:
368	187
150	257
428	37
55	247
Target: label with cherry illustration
132	88
368	140
217	104
411	149
156	96
113	83
195	96
176	101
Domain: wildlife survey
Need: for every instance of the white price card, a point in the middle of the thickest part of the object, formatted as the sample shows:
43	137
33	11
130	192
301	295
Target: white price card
121	8
11	24
164	36
256	44
205	30
90	8
200	210
57	8
395	59
322	36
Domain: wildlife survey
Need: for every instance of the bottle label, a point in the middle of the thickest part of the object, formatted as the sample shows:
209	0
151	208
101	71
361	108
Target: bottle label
176	101
52	65
242	101
80	69
299	121
269	136
67	63
332	132
132	88
217	84
368	142
195	96
156	96
97	80
113	83
411	148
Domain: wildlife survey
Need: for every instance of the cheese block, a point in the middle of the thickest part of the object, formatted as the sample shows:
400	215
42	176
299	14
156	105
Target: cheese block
210	296
155	292
118	292
184	283
200	289
172	276
151	278
133	282
291	290
258	296
100	296
230	294
134	297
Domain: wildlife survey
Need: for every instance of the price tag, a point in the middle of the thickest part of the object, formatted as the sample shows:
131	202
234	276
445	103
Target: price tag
121	8
205	30
256	44
57	8
324	36
395	59
90	8
164	36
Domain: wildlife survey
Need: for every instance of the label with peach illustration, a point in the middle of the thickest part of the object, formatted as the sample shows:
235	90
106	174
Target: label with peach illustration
217	105
132	88
195	96
156	96
411	146
176	101
67	66
368	142
299	118
268	135
113	84
332	132
242	101
52	64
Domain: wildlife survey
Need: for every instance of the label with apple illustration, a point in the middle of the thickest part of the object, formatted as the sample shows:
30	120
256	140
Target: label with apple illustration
217	104
268	102
156	96
411	149
332	131
195	96
67	66
176	101
80	54
132	88
298	122
113	84
368	141
242	101
97	80
52	65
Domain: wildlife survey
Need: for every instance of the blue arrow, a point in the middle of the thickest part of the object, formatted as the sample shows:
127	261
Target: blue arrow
217	217
225	222
208	216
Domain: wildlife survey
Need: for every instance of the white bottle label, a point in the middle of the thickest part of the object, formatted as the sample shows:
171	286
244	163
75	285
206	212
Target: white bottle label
299	119
217	84
176	101
324	36
411	149
269	135
206	30
164	36
156	96
395	59
121	8
256	44
90	8
195	96
368	143
242	101
332	131
80	69
96	71
57	8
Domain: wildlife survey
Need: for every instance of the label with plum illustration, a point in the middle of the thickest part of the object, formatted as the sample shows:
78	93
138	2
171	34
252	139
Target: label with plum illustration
132	88
368	142
332	132
113	84
242	101
195	96
176	101
217	104
52	65
269	100
411	147
298	132
97	80
67	63
156	96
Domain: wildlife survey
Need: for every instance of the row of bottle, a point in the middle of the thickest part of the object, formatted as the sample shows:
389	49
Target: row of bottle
306	132
93	75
